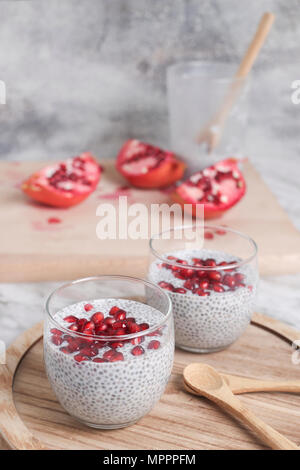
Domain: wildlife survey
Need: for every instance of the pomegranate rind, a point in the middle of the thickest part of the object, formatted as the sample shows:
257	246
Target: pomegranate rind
187	193
37	186
149	171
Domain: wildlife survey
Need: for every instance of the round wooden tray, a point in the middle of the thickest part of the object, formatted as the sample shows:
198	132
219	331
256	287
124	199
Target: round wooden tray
31	417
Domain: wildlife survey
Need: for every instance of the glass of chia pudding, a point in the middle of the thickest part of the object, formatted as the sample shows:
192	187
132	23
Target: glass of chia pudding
108	348
212	282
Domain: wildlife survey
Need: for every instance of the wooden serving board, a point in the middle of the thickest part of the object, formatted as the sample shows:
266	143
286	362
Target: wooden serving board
32	249
178	421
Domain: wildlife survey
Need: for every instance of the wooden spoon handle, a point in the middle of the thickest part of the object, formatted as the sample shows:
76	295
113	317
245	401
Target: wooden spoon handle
267	434
256	44
240	385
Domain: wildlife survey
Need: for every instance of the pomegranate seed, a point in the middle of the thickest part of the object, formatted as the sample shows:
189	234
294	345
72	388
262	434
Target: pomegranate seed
154	344
180	290
240	284
108	354
208	235
144	326
201	273
99	359
137	351
250	288
73	327
109	321
64	350
221	232
56	332
57	340
89	352
88	307
166	285
80	358
217	287
90	325
97	318
223	263
133	327
118	356
201	293
197	261
81	324
239	277
100	328
203	284
74	345
54	220
71	319
229	280
215	275
119	324
120	315
119	332
171	257
113	311
137	340
188	284
210	262
179	275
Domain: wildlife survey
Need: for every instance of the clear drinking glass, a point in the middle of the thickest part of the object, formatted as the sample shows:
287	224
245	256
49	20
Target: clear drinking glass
212	284
111	373
201	96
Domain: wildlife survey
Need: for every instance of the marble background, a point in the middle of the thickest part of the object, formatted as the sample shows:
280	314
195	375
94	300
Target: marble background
88	74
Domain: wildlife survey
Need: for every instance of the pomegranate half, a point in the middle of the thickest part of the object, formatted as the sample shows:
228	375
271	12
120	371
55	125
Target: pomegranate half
218	187
146	166
66	183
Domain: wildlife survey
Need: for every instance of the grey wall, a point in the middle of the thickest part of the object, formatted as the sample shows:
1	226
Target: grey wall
87	74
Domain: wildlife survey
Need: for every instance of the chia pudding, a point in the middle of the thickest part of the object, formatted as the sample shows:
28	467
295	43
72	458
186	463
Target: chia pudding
101	377
211	307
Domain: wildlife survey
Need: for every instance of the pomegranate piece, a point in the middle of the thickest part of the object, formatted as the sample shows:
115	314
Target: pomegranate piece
208	235
56	332
71	319
73	327
133	327
117	344
146	166
108	354
81	324
80	358
137	351
154	344
215	275
218	187
118	356
120	315
180	290
88	307
166	285
113	311
97	318
99	359
64	184
229	281
217	287
144	326
57	340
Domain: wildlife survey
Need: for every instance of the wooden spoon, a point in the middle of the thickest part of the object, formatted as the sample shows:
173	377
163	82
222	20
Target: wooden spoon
208	382
240	385
212	132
